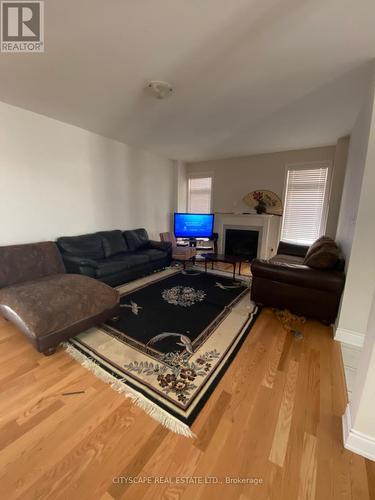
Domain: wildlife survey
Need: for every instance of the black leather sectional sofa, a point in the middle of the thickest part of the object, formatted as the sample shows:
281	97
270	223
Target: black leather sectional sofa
114	257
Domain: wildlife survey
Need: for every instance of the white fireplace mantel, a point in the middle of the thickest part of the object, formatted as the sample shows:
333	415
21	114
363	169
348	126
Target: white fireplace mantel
267	225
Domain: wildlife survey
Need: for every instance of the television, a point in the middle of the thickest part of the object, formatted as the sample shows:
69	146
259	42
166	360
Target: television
193	225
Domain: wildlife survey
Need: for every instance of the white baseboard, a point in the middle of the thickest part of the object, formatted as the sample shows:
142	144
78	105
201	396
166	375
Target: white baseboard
349	337
355	441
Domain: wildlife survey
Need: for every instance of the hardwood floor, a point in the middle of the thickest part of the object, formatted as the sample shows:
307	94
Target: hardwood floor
275	416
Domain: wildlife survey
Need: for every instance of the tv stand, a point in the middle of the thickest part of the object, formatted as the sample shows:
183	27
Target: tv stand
201	244
191	242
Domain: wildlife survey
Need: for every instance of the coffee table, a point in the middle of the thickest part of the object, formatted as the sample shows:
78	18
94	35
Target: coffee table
228	259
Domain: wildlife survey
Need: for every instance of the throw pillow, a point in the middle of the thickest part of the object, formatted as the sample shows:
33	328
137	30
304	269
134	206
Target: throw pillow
325	257
318	244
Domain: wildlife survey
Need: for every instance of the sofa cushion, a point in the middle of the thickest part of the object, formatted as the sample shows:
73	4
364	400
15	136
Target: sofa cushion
120	263
20	263
85	245
325	257
113	242
286	248
53	303
287	259
153	254
108	267
137	239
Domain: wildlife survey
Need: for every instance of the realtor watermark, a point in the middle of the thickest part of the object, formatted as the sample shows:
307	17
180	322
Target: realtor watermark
22	26
189	480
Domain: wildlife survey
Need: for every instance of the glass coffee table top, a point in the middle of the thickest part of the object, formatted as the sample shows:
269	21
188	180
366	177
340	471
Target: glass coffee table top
218	257
229	259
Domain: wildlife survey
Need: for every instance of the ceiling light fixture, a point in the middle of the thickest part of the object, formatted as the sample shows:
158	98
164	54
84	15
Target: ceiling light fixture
160	89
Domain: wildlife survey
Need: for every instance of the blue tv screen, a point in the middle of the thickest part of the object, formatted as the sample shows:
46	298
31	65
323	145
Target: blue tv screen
193	225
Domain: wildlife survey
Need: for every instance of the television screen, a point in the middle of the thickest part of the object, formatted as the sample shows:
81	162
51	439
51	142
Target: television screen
193	225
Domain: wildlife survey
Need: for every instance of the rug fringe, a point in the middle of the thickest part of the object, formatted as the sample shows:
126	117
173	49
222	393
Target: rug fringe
120	386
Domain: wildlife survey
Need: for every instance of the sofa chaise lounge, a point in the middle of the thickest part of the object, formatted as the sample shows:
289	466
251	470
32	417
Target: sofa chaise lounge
44	302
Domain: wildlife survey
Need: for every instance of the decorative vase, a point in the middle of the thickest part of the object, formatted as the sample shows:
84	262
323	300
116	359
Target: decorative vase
261	207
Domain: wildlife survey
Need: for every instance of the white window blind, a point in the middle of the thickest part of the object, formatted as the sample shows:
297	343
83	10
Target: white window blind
199	198
305	204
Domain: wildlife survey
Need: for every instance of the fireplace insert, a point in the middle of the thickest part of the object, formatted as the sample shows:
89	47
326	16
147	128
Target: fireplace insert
242	242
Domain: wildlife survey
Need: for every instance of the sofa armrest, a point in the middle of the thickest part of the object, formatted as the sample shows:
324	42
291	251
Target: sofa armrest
80	265
161	245
299	275
292	249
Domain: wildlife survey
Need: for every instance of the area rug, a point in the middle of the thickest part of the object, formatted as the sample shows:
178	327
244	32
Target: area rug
177	333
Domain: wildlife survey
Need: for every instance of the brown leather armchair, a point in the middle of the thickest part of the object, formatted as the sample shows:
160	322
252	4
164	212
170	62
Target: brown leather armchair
286	282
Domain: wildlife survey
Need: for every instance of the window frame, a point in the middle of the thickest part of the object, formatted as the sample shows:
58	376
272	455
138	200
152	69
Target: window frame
200	175
327	198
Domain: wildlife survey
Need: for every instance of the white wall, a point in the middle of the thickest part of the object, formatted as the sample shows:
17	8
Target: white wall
356	322
233	178
57	179
356	226
338	179
354	175
181	186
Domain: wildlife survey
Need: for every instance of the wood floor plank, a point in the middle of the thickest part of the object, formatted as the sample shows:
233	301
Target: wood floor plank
106	496
342	488
274	359
91	454
324	482
288	486
117	490
285	352
162	465
32	453
307	477
275	415
312	408
281	436
206	433
370	470
358	476
13	430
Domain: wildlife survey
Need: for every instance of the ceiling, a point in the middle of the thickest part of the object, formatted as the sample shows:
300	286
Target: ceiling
249	76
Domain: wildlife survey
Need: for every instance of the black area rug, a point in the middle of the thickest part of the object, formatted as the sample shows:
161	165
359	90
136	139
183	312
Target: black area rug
176	335
183	304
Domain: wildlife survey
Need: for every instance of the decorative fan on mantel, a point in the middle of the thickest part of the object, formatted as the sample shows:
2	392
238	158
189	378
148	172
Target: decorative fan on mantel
264	202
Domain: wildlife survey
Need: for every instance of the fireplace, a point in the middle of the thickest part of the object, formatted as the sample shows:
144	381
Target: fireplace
242	242
268	227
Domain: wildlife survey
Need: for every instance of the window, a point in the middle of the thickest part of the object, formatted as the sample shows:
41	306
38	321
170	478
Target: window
199	195
305	203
